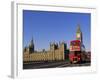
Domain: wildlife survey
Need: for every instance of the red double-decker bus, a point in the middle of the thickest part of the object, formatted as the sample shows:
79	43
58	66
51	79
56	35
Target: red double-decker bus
75	51
75	45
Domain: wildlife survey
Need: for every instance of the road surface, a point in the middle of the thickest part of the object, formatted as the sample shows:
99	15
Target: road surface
56	64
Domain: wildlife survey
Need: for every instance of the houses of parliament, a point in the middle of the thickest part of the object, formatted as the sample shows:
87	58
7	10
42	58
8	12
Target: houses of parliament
55	53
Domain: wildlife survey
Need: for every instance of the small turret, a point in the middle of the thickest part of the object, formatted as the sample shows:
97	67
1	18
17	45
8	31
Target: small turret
31	46
53	46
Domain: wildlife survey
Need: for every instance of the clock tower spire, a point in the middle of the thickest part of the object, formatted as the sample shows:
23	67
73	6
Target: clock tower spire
79	34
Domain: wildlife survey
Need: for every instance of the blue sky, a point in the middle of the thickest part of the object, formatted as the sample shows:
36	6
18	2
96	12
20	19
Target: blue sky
46	27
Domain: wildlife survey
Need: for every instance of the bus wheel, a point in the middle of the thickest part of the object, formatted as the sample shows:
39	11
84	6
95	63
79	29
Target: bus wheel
70	62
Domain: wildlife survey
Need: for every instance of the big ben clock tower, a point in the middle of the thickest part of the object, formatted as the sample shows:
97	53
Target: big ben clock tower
79	37
79	34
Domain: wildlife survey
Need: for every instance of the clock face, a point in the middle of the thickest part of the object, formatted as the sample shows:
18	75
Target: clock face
78	35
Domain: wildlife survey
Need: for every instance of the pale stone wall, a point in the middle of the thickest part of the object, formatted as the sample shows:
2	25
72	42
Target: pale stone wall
57	55
26	56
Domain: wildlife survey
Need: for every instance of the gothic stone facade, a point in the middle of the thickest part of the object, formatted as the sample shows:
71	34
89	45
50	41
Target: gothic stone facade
56	53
